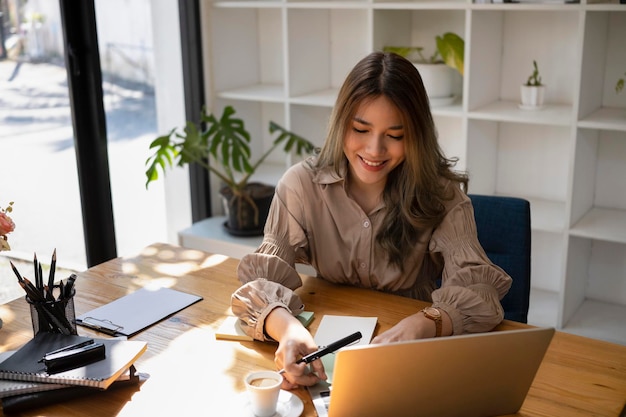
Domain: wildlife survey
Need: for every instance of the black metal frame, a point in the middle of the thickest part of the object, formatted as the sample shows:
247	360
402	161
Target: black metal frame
82	60
193	77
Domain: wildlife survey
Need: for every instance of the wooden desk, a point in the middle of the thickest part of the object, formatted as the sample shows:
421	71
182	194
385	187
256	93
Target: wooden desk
191	373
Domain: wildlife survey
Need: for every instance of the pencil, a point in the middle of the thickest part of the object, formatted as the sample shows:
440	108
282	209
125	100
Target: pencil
16	272
53	264
48	292
35	267
31	291
40	286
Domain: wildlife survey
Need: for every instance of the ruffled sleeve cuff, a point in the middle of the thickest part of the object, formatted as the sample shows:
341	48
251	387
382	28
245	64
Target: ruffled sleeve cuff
253	302
472	309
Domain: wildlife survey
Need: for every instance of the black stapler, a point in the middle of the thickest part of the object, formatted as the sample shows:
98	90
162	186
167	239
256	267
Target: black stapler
73	356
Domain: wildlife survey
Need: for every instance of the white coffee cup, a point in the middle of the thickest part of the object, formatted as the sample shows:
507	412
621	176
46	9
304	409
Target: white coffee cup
263	389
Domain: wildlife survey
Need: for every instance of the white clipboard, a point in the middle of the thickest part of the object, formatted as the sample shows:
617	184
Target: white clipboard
136	311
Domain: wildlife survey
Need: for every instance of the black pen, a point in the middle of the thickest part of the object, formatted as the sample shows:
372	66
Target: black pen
328	349
68	286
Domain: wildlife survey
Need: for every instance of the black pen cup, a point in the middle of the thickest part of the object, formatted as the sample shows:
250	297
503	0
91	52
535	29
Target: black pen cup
54	315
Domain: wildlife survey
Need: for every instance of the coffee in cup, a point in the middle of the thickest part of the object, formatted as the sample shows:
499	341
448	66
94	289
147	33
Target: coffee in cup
263	389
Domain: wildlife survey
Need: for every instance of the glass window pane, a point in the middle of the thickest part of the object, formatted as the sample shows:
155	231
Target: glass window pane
128	74
38	163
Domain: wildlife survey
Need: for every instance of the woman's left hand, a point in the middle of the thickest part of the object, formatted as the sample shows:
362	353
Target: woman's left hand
408	328
415	326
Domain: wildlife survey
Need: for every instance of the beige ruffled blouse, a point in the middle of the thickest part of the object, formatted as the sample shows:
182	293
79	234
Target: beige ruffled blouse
313	221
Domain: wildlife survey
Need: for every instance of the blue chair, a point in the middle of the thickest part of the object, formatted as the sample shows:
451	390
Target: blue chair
503	225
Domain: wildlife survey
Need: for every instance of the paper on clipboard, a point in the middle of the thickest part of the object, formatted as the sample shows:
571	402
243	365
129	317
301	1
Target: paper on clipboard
136	311
332	328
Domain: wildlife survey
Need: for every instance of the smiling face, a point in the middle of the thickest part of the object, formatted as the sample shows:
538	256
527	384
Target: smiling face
374	144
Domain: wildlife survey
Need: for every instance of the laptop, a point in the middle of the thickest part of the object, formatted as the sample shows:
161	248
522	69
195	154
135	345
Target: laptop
477	375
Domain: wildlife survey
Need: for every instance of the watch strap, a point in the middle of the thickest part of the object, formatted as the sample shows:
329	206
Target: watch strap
434	314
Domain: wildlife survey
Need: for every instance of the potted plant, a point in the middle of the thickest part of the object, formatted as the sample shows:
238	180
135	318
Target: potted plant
438	71
222	147
533	91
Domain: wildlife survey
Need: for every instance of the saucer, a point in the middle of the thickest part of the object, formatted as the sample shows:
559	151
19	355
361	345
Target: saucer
289	405
527	107
441	101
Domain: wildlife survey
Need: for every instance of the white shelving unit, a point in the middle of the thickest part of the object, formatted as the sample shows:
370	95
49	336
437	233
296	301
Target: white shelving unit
284	60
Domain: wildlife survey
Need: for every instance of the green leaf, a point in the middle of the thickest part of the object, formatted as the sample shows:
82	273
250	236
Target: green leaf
451	47
163	156
229	141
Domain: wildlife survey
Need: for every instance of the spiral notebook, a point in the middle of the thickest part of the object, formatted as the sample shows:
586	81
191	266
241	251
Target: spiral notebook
24	364
10	388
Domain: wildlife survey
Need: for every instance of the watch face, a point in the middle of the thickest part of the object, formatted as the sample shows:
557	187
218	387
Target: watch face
433	312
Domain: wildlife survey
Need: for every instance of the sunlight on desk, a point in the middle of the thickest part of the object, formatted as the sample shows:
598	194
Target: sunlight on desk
171	263
214	375
192	373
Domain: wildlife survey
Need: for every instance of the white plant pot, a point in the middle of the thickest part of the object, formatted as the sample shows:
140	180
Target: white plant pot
438	80
532	96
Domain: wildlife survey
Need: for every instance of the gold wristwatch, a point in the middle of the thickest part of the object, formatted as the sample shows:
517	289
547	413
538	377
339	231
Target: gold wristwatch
435	315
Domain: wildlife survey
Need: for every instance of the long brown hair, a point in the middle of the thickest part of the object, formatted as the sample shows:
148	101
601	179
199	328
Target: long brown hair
414	193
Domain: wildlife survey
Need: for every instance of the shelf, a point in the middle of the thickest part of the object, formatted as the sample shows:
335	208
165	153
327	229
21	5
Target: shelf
599	320
272	93
605	7
296	4
323	98
602	224
606	118
248	4
453	109
528	6
419	5
509	111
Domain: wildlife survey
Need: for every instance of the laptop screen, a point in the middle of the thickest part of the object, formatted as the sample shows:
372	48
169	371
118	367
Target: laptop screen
471	375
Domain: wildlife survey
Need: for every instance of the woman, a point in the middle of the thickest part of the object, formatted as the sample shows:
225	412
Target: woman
380	207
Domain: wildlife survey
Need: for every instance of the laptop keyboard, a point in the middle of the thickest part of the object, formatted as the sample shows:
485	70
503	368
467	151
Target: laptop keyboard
325	395
320	394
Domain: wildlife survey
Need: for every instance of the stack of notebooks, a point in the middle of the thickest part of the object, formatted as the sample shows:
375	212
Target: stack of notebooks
25	382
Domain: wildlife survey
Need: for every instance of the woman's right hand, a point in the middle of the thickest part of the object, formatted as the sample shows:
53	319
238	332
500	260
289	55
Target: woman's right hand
295	341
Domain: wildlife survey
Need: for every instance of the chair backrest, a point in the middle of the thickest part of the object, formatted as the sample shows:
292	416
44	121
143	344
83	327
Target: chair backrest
503	225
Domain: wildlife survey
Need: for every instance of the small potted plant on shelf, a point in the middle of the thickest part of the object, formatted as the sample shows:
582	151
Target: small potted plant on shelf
532	91
222	148
438	71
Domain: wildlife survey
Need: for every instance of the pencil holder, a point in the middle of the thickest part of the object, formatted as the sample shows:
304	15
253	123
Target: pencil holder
54	315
